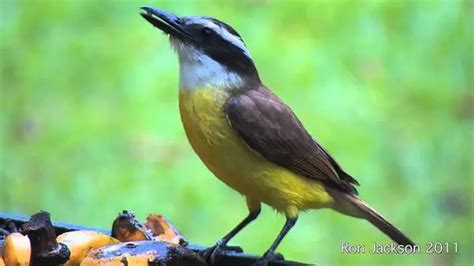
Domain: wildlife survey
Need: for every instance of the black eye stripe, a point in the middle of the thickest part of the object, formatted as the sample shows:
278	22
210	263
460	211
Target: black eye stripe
212	37
207	31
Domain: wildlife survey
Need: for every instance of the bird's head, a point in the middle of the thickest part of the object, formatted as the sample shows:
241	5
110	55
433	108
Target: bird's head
211	53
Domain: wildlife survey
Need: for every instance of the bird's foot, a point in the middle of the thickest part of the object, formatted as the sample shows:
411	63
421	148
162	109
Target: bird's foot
210	254
269	257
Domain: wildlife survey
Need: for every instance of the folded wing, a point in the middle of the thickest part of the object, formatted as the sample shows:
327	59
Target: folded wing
269	127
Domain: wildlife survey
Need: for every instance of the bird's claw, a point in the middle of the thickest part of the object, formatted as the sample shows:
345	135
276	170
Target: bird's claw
216	249
210	254
269	257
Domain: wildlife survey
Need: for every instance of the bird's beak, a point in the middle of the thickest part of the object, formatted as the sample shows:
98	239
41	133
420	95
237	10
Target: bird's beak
168	22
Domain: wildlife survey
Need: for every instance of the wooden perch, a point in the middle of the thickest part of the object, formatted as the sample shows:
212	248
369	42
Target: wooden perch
230	257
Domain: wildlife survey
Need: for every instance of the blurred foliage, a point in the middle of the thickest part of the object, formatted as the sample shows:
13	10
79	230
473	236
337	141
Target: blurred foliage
89	122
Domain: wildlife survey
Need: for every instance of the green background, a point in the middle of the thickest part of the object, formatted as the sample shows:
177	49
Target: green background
89	121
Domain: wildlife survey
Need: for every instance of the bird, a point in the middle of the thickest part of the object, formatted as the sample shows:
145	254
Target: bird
248	137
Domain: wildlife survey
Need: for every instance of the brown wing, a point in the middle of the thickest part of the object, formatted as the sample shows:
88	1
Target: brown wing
269	127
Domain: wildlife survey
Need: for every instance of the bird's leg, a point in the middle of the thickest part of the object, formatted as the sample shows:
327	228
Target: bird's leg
270	254
211	253
250	217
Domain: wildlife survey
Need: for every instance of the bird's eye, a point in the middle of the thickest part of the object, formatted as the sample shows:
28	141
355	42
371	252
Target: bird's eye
207	31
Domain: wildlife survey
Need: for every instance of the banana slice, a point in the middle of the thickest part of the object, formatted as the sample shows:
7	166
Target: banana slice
163	230
127	228
140	253
81	242
16	250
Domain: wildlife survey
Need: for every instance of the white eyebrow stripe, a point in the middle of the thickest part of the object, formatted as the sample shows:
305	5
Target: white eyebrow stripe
226	35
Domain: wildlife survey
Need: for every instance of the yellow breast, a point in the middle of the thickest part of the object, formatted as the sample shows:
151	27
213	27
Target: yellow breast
233	162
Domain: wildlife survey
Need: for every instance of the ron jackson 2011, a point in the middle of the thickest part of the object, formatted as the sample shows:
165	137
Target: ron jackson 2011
376	248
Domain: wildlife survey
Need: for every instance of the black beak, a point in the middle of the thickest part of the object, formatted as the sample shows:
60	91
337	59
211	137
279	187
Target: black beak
168	22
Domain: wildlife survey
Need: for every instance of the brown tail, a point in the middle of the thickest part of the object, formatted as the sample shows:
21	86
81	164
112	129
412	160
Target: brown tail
354	206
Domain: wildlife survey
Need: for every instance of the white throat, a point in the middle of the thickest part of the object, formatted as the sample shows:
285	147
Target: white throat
197	70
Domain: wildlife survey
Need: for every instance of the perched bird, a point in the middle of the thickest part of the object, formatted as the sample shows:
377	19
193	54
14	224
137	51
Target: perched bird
248	137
